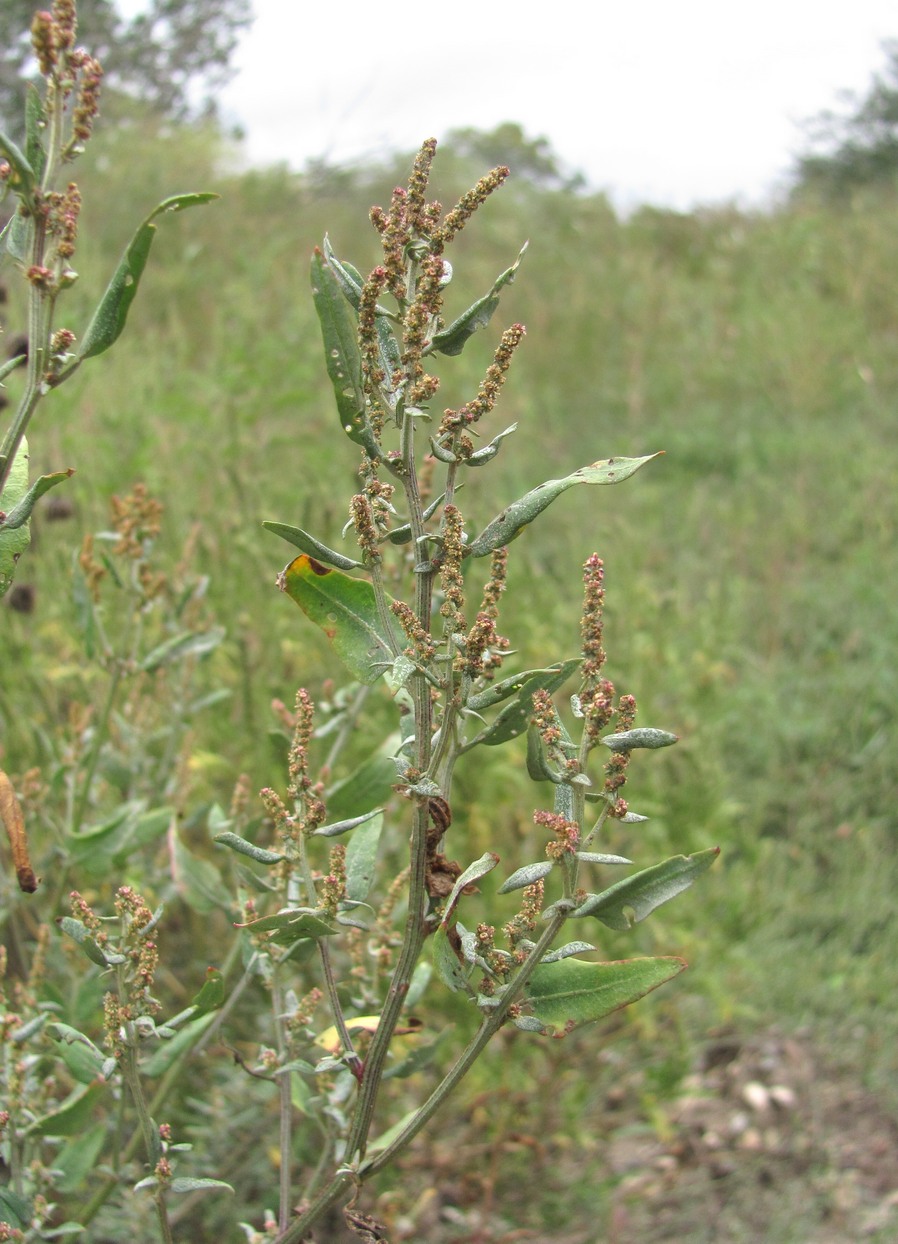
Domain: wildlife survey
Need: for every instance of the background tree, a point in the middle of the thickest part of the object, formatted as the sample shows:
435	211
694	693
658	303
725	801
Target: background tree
860	148
173	56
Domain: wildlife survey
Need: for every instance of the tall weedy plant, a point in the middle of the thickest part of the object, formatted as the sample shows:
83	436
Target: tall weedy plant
400	613
40	237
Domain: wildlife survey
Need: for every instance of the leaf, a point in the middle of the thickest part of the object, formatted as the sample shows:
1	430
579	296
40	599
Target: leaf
526	876
211	994
78	1052
308	544
294	924
636	897
645	736
112	313
361	858
78	932
567	994
565	952
15	1211
191	1184
71	1116
13	541
341	350
515	717
447	963
473	872
597	857
24	179
196	880
187	644
452	340
242	847
335	828
511	522
346	610
368	786
171	1050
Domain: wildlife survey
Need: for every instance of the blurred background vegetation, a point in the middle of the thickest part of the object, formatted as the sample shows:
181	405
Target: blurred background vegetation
751	571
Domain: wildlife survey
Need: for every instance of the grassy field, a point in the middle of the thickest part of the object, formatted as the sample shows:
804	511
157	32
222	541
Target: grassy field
751	579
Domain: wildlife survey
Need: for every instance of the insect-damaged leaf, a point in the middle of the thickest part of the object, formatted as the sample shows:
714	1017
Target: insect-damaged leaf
509	524
566	994
346	610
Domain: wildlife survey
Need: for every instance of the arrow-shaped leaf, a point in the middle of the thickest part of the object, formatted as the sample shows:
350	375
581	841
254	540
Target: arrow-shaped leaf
509	524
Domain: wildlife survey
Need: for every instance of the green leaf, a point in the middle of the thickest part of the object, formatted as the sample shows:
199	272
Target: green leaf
211	994
24	179
189	1184
77	1160
187	644
171	1050
572	992
452	340
598	857
13	540
78	1052
112	313
339	333
346	610
452	972
368	786
294	924
308	544
335	828
35	128
515	717
259	854
21	513
361	858
645	736
197	881
72	1114
526	876
473	872
636	897
511	522
14	1209
78	932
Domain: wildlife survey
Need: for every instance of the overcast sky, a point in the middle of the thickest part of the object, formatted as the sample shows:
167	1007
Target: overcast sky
673	102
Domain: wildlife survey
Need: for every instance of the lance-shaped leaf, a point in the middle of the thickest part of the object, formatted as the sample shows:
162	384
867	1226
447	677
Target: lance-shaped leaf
308	544
631	900
526	875
511	522
339	333
346	610
294	924
176	648
515	717
243	847
644	736
473	872
452	340
567	994
22	178
361	858
13	540
110	316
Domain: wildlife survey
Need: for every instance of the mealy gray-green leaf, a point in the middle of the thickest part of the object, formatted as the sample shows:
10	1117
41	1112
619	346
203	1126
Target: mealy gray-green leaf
631	900
506	526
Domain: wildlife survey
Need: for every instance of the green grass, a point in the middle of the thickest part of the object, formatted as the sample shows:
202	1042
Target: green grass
750	570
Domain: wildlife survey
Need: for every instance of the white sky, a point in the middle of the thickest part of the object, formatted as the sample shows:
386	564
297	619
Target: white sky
673	102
